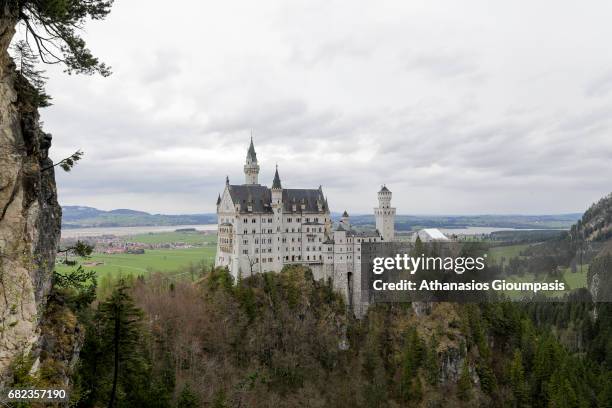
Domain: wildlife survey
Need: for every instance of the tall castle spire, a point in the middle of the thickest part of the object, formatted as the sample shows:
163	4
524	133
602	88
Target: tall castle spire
251	168
276	183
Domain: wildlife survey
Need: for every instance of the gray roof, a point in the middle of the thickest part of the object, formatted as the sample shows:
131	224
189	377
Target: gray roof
251	153
384	188
345	214
308	197
276	183
260	197
363	234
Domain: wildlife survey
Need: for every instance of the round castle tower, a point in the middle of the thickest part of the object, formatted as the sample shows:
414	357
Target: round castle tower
251	168
385	215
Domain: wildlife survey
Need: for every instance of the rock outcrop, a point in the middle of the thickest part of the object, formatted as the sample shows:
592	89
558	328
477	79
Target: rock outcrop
30	216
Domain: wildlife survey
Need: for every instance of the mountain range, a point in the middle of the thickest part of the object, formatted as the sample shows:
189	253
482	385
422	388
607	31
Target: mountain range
85	217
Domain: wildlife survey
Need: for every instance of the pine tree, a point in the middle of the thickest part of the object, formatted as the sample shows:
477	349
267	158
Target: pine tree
121	323
26	62
517	380
187	398
464	385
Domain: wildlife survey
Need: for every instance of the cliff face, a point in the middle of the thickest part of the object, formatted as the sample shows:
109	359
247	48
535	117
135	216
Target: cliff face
30	216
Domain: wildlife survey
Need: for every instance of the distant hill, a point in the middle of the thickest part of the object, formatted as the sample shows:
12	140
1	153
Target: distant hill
84	217
413	222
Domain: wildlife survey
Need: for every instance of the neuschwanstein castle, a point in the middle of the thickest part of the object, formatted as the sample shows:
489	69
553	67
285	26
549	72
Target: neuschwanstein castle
261	229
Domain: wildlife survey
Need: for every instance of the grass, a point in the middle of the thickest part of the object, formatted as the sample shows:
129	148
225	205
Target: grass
194	238
572	280
154	260
507	252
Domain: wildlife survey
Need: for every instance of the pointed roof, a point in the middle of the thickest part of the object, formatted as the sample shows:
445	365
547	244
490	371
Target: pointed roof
345	214
384	189
251	153
276	183
219	199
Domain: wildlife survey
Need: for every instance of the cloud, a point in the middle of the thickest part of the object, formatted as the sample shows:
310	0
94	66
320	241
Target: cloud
455	109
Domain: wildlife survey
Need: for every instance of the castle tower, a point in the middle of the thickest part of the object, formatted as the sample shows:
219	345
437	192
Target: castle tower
277	210
277	189
251	168
385	215
345	221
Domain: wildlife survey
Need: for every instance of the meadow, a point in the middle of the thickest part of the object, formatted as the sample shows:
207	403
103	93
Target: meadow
165	260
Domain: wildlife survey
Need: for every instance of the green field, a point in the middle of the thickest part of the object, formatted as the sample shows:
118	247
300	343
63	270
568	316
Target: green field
153	260
507	252
573	281
193	238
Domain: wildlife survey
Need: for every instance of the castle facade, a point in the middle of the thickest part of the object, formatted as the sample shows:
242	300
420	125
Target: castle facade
264	228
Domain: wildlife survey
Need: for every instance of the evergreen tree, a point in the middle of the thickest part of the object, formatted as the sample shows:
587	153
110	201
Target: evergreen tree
52	28
120	322
26	61
464	385
517	380
187	398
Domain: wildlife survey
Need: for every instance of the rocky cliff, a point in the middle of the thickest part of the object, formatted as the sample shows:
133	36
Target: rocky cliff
30	215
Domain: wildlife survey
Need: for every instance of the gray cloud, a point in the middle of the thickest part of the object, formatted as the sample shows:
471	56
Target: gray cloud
457	114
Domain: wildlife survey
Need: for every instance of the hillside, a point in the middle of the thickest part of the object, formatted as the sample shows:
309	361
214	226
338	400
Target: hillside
596	223
84	217
285	340
412	222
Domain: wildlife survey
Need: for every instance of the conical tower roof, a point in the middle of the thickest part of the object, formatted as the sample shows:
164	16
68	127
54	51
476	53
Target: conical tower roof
251	153
276	183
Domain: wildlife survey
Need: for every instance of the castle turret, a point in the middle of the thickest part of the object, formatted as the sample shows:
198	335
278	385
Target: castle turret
277	189
345	221
251	168
385	215
277	220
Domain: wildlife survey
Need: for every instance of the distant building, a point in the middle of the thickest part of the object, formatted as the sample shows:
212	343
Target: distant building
262	229
431	235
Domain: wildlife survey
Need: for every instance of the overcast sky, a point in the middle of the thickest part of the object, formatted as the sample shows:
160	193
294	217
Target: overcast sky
460	107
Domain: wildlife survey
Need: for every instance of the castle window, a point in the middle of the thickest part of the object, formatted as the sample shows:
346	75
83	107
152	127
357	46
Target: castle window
253	221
